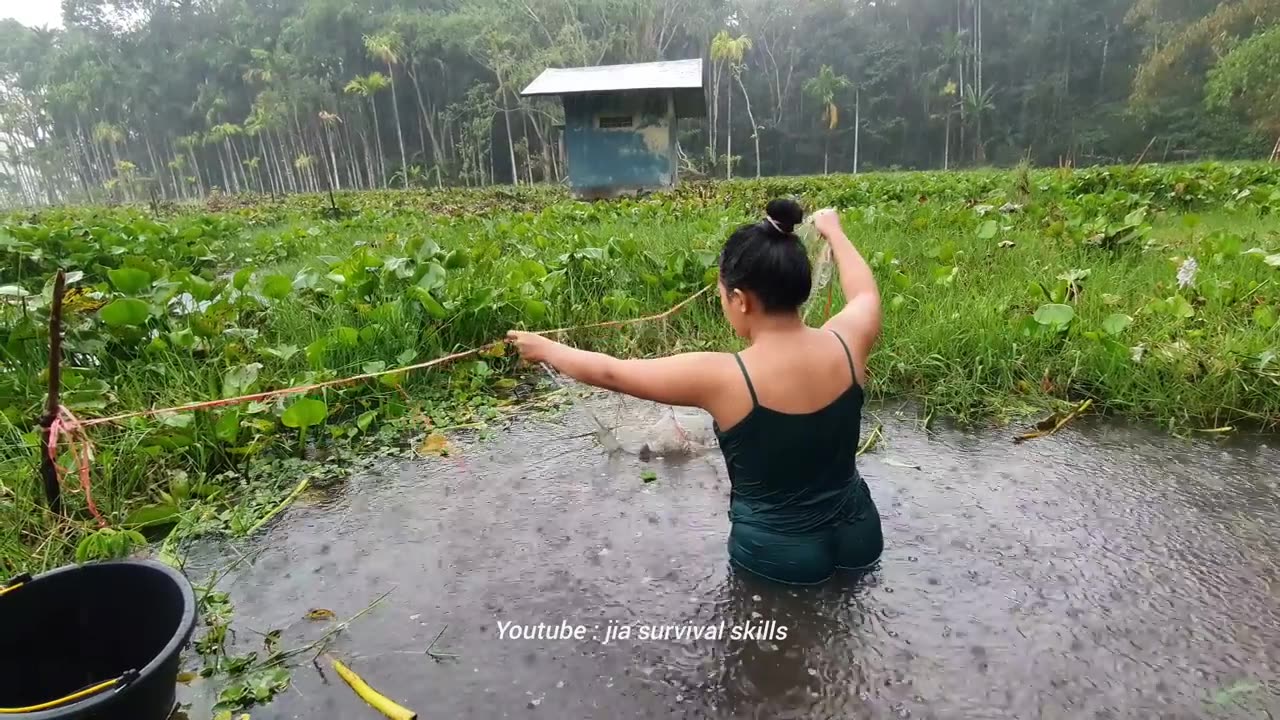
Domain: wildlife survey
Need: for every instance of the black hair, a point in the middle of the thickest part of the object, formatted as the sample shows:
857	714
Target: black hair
768	260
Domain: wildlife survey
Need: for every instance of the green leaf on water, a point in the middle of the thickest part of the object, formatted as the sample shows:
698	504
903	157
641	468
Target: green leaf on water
1055	315
130	281
125	312
277	287
1116	324
305	412
987	230
648	476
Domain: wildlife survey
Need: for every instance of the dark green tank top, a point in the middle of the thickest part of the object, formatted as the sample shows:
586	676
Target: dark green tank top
795	473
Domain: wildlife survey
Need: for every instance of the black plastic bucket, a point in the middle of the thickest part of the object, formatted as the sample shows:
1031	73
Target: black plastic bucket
82	626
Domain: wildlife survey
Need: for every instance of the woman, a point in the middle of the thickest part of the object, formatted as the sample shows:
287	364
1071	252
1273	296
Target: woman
787	410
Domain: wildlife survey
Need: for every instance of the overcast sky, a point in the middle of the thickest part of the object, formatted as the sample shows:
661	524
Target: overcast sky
32	12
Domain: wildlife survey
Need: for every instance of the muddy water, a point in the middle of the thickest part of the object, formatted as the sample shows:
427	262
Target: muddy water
1105	572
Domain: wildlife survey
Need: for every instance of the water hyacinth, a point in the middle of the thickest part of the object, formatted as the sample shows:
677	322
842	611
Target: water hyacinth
1187	273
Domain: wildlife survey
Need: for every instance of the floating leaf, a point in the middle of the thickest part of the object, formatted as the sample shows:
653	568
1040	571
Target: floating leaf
1055	315
434	444
125	312
129	281
306	412
320	614
1116	324
648	476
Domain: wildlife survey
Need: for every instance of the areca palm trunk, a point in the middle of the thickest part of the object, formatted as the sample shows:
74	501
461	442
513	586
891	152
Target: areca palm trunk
377	136
395	107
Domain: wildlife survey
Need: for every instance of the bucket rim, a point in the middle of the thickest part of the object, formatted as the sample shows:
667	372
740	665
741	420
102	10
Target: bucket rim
186	626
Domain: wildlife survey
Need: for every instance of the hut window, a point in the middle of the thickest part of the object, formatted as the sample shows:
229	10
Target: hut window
616	122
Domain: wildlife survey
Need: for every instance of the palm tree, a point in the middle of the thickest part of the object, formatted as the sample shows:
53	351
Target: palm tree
824	87
386	47
730	50
327	121
975	105
366	87
190	143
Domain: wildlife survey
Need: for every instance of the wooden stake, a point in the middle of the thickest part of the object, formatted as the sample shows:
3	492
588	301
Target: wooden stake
48	473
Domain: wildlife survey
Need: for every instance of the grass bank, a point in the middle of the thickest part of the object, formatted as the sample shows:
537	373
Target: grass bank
1004	292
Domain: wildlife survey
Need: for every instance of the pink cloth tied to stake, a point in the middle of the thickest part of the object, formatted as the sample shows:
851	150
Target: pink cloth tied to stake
67	426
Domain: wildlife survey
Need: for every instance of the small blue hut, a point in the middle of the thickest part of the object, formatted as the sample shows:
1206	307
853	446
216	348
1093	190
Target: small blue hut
620	122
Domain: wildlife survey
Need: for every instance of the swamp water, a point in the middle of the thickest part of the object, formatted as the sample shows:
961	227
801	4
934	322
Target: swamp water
1103	572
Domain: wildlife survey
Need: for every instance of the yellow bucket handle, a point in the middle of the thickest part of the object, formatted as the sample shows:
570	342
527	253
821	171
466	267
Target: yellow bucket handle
73	697
76	696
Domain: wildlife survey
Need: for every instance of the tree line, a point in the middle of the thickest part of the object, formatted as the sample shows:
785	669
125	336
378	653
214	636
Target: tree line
175	99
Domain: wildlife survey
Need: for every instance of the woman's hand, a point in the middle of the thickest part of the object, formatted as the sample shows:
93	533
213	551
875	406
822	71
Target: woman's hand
827	223
532	347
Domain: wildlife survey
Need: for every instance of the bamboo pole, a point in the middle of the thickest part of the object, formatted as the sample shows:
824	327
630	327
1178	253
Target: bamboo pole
48	472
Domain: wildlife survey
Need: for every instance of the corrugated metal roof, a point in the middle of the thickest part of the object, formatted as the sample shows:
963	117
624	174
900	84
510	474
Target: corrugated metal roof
671	75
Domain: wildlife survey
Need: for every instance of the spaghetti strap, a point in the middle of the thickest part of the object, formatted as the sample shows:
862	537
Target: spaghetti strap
847	354
755	402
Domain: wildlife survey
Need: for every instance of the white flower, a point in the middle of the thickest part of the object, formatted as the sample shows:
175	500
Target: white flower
1187	273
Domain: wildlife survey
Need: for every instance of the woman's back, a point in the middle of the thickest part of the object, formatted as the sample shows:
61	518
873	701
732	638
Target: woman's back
791	458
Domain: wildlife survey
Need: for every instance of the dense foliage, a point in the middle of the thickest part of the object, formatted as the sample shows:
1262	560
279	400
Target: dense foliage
1152	290
174	98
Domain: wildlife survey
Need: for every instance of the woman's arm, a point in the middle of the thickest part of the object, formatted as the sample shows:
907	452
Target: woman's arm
859	320
686	380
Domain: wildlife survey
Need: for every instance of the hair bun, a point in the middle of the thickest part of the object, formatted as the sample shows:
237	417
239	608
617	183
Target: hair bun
785	213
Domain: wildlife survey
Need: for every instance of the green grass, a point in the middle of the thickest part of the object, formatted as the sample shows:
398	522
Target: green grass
295	296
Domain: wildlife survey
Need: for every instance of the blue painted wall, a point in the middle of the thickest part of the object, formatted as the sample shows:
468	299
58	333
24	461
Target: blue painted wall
602	160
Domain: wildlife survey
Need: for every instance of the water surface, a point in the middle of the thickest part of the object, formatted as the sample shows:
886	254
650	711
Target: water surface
1104	572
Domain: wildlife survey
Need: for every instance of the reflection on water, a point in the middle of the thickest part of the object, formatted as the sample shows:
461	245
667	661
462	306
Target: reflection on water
1104	572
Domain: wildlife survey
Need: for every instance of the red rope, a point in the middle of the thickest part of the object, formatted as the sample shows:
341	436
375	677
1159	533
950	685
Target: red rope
67	427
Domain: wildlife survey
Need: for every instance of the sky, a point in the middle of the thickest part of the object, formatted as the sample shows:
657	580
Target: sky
32	12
